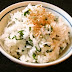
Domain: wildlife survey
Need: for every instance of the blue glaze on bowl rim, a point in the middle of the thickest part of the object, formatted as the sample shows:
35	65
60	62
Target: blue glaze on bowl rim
44	7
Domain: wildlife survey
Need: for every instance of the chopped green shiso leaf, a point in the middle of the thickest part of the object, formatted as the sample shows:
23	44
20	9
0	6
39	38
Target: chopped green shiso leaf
30	39
57	35
61	48
21	35
14	37
29	28
29	43
34	55
22	50
18	53
33	36
51	28
37	49
27	12
47	45
9	37
68	32
49	50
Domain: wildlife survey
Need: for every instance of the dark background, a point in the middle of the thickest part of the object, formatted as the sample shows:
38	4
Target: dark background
8	66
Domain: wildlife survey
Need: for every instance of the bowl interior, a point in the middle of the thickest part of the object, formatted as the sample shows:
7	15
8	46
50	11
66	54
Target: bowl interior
4	16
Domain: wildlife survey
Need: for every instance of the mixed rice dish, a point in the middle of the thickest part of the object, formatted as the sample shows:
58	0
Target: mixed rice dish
35	35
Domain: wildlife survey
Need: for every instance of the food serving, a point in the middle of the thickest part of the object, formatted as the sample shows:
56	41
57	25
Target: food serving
35	35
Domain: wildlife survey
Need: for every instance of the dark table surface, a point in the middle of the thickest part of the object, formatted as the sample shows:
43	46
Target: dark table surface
8	66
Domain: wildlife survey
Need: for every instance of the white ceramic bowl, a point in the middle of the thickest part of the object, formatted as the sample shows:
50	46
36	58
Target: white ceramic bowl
54	9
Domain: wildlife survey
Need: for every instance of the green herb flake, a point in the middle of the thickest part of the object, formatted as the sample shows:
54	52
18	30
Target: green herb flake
45	26
46	19
25	46
33	36
51	28
41	24
40	50
61	48
18	53
27	12
18	58
49	50
9	37
22	50
14	37
18	48
48	29
47	45
16	18
67	43
21	34
68	32
49	34
30	39
29	28
37	49
34	55
29	43
36	61
57	35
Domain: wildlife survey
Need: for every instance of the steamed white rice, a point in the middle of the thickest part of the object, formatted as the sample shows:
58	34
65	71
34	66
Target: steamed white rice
34	35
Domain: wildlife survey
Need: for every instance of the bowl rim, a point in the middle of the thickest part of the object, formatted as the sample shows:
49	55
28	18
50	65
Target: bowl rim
35	64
